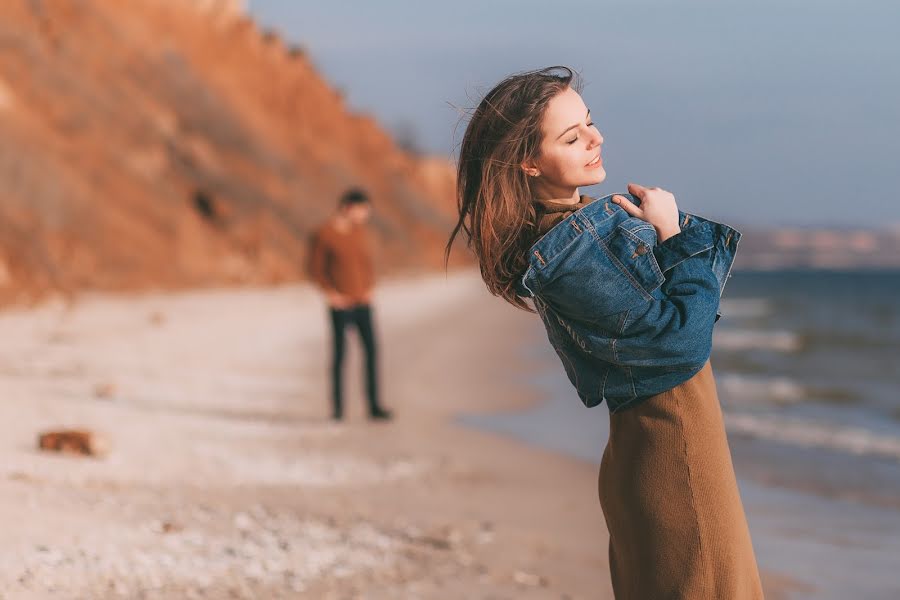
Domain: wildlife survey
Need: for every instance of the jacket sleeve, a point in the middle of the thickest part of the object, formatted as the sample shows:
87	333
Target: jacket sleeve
674	328
317	265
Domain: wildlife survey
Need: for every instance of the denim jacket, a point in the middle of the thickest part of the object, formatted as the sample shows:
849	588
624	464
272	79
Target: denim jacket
628	317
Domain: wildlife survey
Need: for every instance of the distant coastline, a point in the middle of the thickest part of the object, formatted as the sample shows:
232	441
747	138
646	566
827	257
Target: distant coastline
817	248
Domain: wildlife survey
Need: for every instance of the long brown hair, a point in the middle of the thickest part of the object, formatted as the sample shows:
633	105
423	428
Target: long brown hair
493	193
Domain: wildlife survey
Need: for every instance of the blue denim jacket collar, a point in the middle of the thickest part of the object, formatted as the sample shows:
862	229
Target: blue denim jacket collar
696	236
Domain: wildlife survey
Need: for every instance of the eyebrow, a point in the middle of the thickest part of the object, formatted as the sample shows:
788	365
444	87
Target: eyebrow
573	126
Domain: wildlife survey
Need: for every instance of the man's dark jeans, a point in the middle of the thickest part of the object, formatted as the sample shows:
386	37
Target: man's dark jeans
359	316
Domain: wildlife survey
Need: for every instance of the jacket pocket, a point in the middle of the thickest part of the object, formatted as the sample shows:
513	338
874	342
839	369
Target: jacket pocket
630	246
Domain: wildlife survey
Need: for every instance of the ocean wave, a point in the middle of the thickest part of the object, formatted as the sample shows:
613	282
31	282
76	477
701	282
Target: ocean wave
747	339
745	308
856	440
883	339
743	389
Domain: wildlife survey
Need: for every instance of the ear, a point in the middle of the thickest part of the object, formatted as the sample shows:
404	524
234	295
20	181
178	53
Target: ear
530	169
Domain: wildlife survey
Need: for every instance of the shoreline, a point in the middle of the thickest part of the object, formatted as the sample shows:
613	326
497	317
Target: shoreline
226	479
797	521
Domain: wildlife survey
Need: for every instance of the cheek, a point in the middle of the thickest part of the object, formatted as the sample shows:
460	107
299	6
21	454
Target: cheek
568	162
556	163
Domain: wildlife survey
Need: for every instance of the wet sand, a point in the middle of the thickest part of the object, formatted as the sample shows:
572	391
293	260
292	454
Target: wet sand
226	479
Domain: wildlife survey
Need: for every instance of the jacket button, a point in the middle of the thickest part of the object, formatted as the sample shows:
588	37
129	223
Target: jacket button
641	249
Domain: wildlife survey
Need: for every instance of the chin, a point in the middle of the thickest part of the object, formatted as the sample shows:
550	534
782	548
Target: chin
595	177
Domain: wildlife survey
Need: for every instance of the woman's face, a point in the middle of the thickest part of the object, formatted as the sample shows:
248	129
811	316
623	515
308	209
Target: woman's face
569	149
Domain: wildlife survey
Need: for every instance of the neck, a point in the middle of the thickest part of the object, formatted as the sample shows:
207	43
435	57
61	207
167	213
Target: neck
560	195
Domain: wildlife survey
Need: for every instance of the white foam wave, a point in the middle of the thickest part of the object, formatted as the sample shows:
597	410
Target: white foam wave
856	440
745	307
747	389
748	339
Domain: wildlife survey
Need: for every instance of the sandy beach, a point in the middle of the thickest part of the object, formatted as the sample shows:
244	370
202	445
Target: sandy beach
226	479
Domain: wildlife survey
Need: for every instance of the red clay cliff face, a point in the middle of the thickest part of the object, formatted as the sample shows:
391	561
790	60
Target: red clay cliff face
153	143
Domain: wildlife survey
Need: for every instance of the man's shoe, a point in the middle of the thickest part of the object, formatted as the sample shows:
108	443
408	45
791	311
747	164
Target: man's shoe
381	414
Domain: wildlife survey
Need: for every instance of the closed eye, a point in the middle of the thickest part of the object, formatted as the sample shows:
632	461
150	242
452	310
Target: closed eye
575	139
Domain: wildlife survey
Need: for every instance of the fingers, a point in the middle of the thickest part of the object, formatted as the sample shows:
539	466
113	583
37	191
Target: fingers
628	206
637	190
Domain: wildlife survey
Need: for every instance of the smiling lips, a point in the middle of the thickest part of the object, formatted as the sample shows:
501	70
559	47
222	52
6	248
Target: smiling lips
595	163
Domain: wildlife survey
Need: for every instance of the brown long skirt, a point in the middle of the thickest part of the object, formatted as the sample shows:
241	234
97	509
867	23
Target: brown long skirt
668	491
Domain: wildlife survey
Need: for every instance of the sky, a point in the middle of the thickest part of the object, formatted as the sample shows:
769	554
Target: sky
761	113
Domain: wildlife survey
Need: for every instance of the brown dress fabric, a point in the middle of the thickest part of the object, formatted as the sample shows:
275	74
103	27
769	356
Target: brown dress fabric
677	527
668	491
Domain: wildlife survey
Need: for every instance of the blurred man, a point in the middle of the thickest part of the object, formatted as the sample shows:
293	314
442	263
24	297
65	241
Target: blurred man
341	264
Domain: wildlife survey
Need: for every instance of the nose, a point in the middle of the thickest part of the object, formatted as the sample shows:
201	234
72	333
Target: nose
598	139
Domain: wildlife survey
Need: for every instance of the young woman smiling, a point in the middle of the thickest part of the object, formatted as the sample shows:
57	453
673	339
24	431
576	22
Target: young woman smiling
667	485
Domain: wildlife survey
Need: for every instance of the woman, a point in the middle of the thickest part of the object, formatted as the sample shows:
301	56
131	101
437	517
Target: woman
628	289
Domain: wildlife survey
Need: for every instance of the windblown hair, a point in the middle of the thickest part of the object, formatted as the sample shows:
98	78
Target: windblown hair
493	192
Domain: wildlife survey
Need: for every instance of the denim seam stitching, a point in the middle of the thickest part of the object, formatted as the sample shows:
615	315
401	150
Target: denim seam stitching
627	403
654	264
684	258
737	240
603	384
576	215
619	333
530	269
624	270
590	227
548	260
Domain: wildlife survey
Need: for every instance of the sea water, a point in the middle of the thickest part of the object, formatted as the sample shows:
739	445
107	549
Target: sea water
807	367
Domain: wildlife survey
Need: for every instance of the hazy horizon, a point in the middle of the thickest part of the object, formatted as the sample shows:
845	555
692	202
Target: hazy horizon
735	109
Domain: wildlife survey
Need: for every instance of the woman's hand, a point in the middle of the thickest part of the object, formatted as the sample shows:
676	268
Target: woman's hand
657	207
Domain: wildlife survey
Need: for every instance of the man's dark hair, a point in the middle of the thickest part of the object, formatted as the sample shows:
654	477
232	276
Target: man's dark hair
354	196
